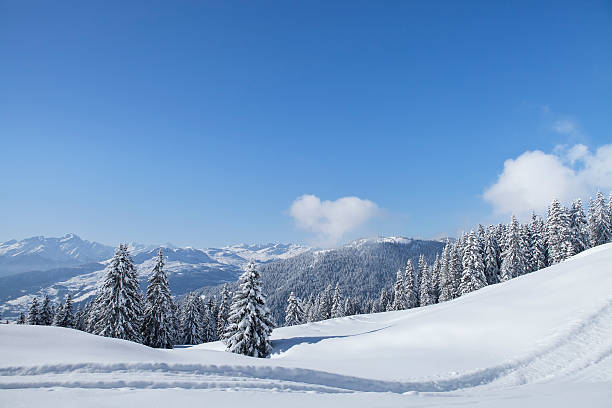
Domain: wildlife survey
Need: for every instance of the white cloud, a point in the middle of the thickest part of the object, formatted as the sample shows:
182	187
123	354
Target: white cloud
330	220
529	182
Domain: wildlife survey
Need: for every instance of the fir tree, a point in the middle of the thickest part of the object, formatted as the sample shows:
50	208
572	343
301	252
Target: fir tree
446	278
294	314
223	312
65	317
456	265
192	330
538	248
33	314
491	258
158	317
59	315
557	232
337	304
21	319
513	263
46	312
399	294
119	303
473	277
250	324
410	288
600	222
213	311
384	301
426	283
324	307
579	229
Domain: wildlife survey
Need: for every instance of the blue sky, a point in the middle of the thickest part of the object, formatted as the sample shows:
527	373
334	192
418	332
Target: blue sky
200	123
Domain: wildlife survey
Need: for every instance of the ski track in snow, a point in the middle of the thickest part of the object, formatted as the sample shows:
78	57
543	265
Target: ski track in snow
584	345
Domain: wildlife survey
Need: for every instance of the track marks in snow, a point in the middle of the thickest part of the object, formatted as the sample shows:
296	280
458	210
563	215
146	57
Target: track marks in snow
585	345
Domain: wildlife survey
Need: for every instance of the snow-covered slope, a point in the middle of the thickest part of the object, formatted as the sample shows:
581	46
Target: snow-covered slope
543	339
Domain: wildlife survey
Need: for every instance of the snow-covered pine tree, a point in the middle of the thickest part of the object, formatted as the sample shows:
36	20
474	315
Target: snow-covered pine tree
513	259
310	309
557	232
383	301
65	318
223	313
527	244
294	314
192	330
456	265
250	323
21	319
410	288
538	247
213	311
349	309
491	258
326	303
579	229
473	277
337	303
158	316
34	314
119	304
59	315
600	220
446	282
435	279
426	282
79	322
46	312
399	294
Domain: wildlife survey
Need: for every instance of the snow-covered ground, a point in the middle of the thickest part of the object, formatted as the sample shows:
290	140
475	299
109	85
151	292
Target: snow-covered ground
544	339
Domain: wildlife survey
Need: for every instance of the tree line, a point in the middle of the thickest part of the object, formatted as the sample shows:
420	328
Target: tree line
482	257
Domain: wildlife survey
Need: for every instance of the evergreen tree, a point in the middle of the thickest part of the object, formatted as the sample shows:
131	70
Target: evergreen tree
383	301
446	278
158	317
456	266
210	320
538	247
33	314
579	229
491	258
526	245
65	317
473	277
294	314
119	303
21	319
600	222
250	324
223	312
337	304
46	312
410	288
79	322
513	263
435	279
192	330
59	315
426	283
324	308
399	294
557	232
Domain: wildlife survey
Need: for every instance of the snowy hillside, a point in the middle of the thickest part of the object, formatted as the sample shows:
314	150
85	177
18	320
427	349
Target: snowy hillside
41	253
543	339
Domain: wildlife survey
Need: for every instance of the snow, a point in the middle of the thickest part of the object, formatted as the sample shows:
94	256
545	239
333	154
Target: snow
543	339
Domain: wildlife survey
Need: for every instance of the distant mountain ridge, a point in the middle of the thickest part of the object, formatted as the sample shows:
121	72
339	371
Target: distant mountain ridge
41	253
72	265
